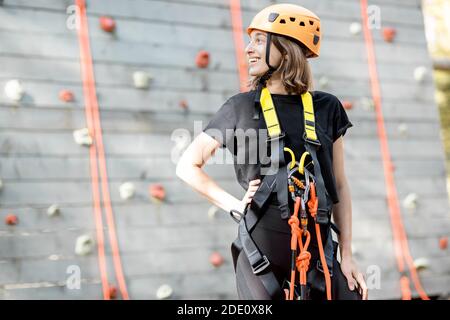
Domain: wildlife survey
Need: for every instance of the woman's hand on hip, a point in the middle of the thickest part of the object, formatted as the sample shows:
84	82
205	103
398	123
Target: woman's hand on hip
252	187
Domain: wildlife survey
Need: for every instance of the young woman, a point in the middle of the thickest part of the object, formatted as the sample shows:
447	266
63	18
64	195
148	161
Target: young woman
282	37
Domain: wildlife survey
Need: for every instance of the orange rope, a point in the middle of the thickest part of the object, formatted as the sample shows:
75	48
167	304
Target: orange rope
97	153
303	259
84	56
238	37
313	204
398	231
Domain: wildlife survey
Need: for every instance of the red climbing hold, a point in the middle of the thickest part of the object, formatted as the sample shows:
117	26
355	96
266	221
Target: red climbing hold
389	34
202	59
184	105
66	96
11	219
347	105
157	191
443	243
107	24
112	292
216	259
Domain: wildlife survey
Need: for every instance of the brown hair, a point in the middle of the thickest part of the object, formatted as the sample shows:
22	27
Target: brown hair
295	72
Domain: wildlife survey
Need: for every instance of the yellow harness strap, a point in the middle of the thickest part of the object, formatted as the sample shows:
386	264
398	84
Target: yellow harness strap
271	119
270	115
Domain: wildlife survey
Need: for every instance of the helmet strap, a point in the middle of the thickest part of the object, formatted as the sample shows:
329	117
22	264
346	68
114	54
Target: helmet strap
271	70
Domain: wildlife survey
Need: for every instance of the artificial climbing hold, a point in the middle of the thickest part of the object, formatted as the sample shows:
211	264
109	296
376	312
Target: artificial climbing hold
367	104
84	245
164	292
443	243
1	185
112	292
53	210
157	192
11	219
14	90
389	34
202	59
183	104
403	129
54	257
420	73
141	79
410	202
82	137
212	211
216	259
421	263
107	24
127	190
347	104
355	28
66	95
323	82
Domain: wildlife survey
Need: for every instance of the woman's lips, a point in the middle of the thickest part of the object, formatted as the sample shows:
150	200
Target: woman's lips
252	60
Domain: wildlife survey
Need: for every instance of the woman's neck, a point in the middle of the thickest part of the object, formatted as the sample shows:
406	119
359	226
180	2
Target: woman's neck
275	86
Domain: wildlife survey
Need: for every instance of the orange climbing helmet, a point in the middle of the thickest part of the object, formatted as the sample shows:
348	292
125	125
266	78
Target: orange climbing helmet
292	21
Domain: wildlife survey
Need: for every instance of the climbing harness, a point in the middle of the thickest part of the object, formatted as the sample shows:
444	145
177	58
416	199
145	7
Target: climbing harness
308	192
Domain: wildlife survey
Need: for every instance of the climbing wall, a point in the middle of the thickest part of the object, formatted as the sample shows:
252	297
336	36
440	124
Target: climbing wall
159	66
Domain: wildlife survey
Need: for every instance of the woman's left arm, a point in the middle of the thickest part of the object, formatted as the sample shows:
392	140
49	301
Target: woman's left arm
342	213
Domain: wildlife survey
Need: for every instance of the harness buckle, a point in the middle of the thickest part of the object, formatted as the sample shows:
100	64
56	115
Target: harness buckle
281	136
241	215
261	265
315	142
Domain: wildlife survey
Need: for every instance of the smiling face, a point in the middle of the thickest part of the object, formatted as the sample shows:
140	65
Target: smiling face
256	54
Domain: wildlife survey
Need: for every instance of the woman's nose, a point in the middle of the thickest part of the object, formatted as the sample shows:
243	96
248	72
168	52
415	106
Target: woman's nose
249	48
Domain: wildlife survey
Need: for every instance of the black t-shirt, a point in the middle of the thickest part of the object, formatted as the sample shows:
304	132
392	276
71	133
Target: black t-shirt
236	115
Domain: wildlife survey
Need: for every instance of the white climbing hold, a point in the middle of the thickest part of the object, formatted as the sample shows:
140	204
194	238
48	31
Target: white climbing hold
403	129
421	263
54	257
367	104
420	73
212	211
141	79
84	245
126	190
323	82
53	210
164	292
410	202
355	28
1	185
14	90
82	137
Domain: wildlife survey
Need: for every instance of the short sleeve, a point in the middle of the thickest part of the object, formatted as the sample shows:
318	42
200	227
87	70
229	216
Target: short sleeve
223	124
340	121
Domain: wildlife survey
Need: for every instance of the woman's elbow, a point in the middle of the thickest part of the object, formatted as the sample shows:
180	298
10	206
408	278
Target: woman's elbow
183	168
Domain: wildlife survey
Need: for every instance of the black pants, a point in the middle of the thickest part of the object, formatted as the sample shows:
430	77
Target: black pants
272	235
